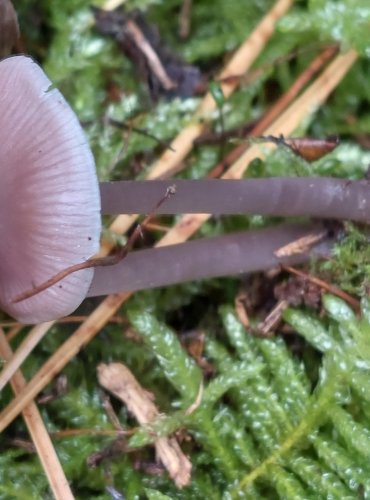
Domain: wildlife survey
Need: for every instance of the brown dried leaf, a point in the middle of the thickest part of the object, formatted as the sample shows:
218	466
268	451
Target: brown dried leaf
308	148
300	245
117	379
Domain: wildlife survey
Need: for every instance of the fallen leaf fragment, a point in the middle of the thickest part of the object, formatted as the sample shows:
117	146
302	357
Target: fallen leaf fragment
308	148
300	245
119	381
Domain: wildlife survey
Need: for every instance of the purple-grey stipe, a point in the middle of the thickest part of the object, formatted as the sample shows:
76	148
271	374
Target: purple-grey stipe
233	254
320	197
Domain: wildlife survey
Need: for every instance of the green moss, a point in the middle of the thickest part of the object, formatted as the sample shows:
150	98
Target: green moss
272	422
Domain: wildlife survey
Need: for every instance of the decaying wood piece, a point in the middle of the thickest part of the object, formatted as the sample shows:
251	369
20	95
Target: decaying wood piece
118	380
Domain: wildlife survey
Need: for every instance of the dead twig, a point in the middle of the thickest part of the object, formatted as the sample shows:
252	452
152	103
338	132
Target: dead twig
28	344
151	57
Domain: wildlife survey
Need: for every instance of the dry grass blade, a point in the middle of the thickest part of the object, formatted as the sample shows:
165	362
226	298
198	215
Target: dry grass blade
62	356
313	96
13	331
16	327
28	344
169	163
40	437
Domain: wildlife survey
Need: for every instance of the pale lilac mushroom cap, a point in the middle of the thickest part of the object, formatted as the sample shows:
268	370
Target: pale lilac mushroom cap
49	195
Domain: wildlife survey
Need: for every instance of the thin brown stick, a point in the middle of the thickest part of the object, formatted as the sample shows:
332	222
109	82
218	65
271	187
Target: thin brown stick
40	437
153	60
325	286
136	130
68	319
109	260
66	433
251	76
301	245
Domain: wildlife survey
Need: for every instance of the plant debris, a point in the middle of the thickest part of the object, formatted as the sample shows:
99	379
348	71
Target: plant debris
117	379
308	148
164	72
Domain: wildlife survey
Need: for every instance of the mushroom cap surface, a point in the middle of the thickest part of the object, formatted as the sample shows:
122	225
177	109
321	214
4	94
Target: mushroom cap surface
49	195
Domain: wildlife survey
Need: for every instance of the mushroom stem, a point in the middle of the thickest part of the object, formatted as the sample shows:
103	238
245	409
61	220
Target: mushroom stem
321	197
236	253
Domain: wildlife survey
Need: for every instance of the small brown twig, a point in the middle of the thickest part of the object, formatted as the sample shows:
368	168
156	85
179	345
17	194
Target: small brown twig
140	131
16	326
66	433
268	325
108	260
152	58
27	345
251	76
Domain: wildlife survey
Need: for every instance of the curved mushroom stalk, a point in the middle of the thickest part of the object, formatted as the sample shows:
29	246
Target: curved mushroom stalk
49	195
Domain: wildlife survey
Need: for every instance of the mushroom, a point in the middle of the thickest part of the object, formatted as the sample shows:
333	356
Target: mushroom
49	195
50	208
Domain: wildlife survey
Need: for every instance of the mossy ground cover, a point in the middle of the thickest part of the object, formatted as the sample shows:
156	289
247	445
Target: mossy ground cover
286	417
